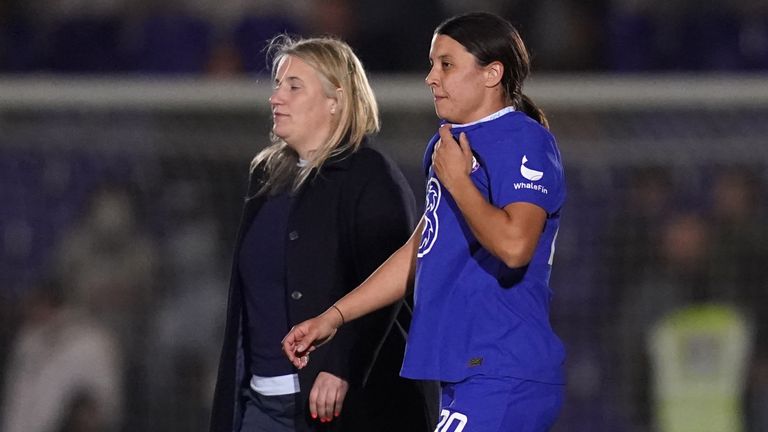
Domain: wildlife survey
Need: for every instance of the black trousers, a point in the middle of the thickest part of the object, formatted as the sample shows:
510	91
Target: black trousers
268	413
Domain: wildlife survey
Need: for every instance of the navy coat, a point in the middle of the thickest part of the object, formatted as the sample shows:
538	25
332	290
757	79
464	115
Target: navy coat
343	223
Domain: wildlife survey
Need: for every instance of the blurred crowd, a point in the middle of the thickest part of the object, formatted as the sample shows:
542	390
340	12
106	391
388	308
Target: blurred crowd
669	241
227	37
112	320
714	252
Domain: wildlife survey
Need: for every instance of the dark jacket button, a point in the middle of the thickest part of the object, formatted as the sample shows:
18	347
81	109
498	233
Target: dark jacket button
296	295
293	235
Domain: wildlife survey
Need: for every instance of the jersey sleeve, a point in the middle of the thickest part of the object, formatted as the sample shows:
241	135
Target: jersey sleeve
527	168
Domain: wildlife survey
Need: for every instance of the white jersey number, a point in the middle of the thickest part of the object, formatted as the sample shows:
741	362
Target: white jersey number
447	419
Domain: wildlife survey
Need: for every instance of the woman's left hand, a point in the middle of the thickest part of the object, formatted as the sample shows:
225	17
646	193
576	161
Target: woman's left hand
327	397
452	160
305	337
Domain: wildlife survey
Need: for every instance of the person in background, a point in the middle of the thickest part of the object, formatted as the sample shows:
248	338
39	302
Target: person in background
323	210
65	368
482	254
739	251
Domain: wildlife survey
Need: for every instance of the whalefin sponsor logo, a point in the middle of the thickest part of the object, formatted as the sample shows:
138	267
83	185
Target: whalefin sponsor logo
532	175
532	186
528	173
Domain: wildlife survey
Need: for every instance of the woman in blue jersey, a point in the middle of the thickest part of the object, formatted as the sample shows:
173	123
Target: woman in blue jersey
482	253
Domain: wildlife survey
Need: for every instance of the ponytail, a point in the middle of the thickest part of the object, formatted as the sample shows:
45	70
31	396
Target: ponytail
529	108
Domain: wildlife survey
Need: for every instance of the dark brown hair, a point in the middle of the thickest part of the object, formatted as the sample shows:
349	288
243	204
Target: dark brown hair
491	38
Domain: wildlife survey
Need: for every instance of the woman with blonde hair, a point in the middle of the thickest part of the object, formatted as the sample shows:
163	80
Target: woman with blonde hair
323	210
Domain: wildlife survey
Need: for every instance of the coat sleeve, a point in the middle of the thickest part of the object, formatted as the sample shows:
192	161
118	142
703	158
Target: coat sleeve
380	220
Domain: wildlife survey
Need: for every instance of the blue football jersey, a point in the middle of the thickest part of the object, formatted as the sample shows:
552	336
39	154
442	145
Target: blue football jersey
473	314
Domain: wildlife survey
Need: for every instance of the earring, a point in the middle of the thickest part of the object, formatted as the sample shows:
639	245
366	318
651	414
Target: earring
333	110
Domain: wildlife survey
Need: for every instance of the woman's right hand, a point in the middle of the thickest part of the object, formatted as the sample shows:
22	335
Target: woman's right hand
305	337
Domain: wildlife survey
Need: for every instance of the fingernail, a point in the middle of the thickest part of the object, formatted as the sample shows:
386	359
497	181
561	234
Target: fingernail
337	414
314	416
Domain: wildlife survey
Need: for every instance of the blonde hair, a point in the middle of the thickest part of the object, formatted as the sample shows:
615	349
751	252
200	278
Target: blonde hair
338	69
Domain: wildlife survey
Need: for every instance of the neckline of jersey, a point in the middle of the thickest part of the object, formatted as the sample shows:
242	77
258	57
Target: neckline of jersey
487	118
